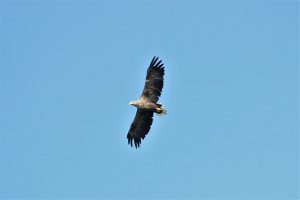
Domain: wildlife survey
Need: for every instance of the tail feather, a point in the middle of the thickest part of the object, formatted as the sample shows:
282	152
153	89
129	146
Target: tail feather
161	110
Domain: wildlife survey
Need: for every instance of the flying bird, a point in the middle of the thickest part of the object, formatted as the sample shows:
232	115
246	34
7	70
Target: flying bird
147	104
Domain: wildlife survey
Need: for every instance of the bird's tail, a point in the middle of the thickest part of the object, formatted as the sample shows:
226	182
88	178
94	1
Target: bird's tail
161	110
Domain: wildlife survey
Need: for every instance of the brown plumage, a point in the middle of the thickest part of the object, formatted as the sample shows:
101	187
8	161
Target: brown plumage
147	104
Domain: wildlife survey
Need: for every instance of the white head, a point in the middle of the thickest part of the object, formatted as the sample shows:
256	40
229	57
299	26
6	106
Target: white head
133	103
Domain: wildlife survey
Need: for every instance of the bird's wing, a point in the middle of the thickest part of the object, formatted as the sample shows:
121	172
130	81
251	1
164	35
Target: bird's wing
154	80
140	126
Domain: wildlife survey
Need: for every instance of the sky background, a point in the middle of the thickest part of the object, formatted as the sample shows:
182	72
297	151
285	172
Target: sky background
69	69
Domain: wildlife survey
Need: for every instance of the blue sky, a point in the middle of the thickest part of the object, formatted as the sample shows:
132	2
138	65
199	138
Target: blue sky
69	69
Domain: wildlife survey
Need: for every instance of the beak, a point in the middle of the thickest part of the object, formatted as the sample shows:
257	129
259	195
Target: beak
130	103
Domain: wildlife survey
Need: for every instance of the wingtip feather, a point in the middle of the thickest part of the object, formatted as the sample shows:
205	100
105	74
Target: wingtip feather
153	61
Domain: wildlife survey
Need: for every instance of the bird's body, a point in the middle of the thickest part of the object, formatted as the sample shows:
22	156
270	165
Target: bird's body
147	104
144	104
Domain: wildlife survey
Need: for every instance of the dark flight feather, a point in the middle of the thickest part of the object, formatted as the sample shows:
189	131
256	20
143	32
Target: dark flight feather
140	127
154	80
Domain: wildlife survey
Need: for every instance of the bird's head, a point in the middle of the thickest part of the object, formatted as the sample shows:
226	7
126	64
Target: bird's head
133	103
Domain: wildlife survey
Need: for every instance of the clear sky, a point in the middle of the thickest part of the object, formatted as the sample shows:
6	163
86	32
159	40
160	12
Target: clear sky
69	69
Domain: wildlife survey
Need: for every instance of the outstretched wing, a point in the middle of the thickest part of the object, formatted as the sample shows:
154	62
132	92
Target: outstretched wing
154	80
140	126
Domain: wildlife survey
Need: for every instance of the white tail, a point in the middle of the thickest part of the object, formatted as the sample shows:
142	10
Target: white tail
164	111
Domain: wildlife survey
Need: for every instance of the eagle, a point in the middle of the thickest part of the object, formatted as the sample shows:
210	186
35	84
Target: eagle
147	104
